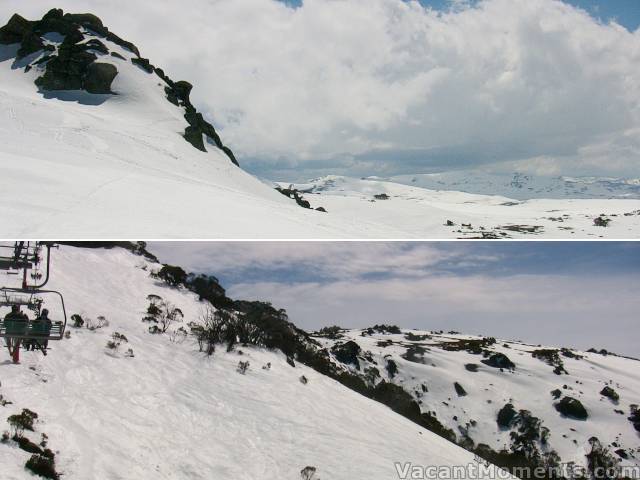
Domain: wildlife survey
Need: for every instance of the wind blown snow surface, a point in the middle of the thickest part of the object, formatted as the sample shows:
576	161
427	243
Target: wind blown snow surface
79	165
170	412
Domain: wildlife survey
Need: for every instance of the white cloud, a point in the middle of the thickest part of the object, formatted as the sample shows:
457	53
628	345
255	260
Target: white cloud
389	86
333	260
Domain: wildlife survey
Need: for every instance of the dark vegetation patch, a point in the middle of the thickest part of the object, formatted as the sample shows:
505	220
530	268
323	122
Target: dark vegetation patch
601	464
391	367
499	360
556	394
475	346
570	354
415	354
601	221
381	196
384	329
42	466
551	357
333	332
522	228
572	408
529	443
634	417
506	415
412	337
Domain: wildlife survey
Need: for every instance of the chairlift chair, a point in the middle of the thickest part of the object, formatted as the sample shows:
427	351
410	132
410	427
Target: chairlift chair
31	329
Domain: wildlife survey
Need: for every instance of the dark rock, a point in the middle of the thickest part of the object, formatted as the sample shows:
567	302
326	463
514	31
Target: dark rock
99	77
68	69
610	393
471	367
182	90
54	21
381	196
499	360
143	63
321	209
347	353
193	135
572	407
117	55
459	390
15	30
622	453
97	45
557	393
85	19
506	416
31	43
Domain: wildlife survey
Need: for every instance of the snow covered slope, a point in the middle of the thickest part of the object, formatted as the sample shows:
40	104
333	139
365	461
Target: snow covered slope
115	165
420	212
429	363
170	412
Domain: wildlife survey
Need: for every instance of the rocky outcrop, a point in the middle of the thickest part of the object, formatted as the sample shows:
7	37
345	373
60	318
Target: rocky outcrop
99	77
75	65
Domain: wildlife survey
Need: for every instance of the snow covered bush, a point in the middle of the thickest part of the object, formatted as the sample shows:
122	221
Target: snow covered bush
243	367
308	473
164	314
117	339
77	321
42	466
21	422
99	322
600	463
392	368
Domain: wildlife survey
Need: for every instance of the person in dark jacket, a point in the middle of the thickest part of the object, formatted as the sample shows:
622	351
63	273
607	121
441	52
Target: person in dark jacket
41	328
15	323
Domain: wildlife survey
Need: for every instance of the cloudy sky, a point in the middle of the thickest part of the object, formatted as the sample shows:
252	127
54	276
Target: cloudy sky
365	87
580	294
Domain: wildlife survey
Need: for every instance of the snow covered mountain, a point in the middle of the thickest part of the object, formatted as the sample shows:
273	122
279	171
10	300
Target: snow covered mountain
522	186
118	401
166	410
482	390
439	213
97	142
